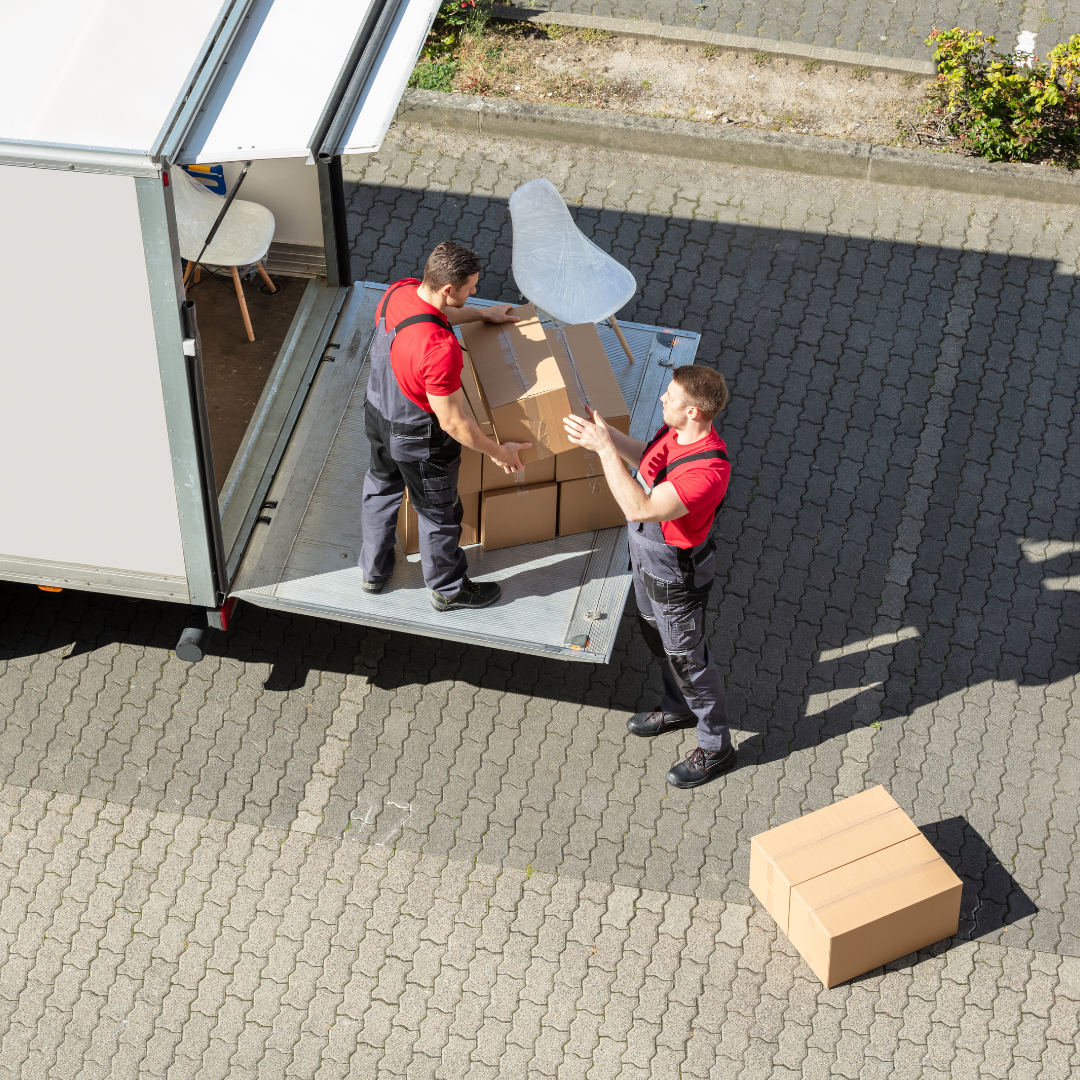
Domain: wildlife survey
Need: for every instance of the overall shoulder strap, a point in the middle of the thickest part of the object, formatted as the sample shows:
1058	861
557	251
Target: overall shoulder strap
413	320
381	313
703	455
656	438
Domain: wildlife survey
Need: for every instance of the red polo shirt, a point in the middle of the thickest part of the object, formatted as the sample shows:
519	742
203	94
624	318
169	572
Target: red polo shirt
700	485
426	358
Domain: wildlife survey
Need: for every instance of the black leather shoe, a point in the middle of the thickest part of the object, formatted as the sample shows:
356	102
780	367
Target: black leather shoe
371	586
472	594
701	766
647	724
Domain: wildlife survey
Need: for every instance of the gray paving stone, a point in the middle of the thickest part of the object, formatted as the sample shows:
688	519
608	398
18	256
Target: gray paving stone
329	852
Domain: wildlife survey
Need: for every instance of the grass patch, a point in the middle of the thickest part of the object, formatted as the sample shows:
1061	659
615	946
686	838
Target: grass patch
434	76
810	66
860	73
761	59
711	52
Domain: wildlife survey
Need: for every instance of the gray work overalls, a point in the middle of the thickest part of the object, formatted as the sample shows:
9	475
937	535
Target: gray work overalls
671	586
408	449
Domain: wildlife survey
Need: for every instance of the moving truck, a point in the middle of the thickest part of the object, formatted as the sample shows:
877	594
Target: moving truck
120	391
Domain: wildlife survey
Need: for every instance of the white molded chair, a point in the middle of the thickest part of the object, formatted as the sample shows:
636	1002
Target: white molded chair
243	239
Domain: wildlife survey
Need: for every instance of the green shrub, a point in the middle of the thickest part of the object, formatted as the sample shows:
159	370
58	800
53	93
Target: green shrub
436	75
455	18
1006	107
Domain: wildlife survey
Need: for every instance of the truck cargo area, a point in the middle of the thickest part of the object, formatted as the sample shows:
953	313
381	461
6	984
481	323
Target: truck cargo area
236	370
561	597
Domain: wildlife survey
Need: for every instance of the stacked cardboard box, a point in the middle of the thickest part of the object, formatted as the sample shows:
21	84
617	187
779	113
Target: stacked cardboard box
526	379
519	382
854	886
408	525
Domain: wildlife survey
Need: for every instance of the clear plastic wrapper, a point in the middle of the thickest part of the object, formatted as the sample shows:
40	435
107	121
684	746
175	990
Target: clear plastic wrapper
244	236
556	266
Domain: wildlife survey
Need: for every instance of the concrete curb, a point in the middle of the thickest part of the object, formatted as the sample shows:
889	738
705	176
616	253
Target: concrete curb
681	35
818	156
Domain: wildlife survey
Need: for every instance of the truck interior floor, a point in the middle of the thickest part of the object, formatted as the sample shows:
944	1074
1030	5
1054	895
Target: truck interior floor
236	369
562	597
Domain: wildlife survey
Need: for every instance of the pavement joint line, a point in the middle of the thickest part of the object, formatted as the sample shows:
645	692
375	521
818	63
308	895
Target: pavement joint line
648	30
690	139
956	326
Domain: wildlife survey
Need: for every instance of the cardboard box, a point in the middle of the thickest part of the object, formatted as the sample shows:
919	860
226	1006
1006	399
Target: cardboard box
470	523
579	462
527	382
854	885
474	396
875	910
518	515
536	472
587	505
470	477
408	525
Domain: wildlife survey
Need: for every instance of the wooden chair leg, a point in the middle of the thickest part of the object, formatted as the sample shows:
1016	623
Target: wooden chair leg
266	277
243	303
198	274
622	340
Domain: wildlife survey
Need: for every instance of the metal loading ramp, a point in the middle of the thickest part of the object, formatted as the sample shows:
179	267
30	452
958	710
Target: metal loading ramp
562	597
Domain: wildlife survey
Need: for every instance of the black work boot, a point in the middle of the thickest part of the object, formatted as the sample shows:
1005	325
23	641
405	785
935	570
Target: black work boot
647	724
472	594
701	766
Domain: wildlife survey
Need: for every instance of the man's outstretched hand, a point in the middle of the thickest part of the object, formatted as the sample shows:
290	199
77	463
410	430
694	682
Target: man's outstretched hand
498	314
508	456
592	434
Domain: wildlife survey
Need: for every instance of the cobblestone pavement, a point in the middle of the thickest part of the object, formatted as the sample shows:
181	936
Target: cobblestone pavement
326	851
883	27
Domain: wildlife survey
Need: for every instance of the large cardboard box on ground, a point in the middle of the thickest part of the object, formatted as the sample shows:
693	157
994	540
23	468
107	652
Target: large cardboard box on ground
408	525
854	885
518	515
536	472
527	380
586	505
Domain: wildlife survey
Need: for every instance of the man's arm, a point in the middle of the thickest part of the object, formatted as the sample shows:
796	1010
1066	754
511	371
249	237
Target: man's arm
663	504
500	313
630	450
458	425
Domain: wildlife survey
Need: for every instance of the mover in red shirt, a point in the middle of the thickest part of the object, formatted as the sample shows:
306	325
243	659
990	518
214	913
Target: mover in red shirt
682	479
416	424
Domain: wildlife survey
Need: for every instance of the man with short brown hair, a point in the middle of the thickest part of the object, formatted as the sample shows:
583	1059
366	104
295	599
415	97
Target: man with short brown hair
416	425
683	476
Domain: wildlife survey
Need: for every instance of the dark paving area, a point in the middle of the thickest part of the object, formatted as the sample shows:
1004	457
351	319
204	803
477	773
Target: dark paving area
331	851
